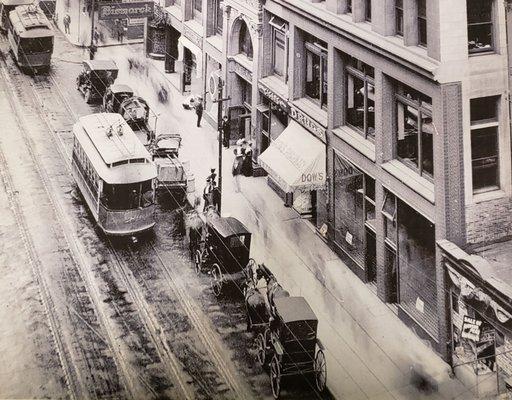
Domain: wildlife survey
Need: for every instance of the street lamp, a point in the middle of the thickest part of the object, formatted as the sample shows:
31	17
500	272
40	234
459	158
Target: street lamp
220	100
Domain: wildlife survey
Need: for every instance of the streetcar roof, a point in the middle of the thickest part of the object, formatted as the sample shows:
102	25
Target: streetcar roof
29	21
116	158
15	2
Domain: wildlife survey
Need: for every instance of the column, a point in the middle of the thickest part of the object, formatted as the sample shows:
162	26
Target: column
383	17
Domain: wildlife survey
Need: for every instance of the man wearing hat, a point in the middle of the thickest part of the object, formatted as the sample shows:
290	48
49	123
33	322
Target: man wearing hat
199	110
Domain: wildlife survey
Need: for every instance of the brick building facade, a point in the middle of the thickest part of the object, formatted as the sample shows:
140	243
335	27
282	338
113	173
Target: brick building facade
404	106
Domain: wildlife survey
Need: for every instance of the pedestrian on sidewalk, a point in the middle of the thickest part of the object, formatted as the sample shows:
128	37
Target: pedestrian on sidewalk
96	35
115	29
226	131
247	163
199	110
237	168
67	22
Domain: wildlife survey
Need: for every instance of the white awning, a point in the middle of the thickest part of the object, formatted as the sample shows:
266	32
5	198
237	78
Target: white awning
295	160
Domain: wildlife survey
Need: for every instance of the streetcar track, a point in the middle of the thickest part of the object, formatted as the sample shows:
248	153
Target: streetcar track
106	391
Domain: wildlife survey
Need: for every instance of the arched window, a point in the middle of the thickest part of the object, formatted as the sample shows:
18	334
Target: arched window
244	41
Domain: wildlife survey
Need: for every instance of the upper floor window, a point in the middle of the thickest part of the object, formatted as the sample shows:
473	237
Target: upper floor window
245	42
217	17
349	6
415	130
279	47
198	8
484	143
480	25
360	98
316	70
368	10
422	22
399	17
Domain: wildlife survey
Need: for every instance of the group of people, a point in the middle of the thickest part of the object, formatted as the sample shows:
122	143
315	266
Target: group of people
242	164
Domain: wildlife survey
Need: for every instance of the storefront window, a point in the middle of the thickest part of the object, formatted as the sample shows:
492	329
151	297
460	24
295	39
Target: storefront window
480	25
279	47
360	98
245	42
316	71
415	130
354	213
389	212
484	143
417	266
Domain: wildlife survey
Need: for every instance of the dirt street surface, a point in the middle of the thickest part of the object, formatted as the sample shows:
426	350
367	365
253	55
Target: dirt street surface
85	316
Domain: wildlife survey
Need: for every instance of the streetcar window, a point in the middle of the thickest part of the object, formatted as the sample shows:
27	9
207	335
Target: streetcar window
36	45
115	164
137	160
126	196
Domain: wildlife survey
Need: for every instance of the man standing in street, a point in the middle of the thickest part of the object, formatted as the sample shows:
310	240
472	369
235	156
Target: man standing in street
67	22
199	110
226	131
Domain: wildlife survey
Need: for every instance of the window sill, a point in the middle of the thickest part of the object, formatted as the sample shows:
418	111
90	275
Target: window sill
243	60
312	109
215	41
353	138
408	177
195	26
175	11
277	85
482	53
491	194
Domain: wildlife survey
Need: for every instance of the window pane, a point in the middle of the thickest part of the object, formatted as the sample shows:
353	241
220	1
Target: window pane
368	10
219	18
355	102
245	42
349	6
370	110
479	11
198	5
407	133
427	146
324	80
279	52
312	75
484	154
370	187
484	108
399	21
480	37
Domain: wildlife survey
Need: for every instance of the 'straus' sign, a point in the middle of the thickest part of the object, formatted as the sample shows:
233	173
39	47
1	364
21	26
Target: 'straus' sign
125	10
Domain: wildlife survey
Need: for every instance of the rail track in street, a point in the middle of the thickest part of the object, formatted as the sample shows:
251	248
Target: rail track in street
137	311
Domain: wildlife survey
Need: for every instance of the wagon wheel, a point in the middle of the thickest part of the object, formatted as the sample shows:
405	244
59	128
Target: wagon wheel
198	261
275	376
261	349
320	370
216	282
87	96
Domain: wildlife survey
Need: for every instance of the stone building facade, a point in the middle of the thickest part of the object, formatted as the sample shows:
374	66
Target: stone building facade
403	105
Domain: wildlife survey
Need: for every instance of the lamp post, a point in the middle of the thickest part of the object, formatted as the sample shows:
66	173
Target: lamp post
92	47
220	100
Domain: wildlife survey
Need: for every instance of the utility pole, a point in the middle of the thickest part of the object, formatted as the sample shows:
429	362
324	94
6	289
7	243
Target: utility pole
220	100
92	47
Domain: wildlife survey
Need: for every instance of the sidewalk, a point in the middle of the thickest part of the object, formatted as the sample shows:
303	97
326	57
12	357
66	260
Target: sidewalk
370	353
80	27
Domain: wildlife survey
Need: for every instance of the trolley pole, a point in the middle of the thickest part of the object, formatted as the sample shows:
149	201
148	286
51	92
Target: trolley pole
220	100
92	47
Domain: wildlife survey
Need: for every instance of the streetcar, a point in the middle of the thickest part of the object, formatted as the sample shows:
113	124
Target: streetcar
6	6
114	173
30	37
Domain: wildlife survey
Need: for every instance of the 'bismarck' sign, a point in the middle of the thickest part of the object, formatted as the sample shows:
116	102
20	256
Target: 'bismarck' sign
125	10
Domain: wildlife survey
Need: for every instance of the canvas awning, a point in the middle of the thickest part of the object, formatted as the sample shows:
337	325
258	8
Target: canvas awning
295	160
194	49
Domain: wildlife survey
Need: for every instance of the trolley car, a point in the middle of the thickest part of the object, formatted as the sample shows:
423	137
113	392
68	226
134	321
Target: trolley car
30	37
6	6
115	174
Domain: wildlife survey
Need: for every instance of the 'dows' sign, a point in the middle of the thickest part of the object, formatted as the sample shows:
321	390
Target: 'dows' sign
125	10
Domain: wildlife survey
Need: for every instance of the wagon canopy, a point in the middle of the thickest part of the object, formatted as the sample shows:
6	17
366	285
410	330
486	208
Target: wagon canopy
228	226
101	65
294	309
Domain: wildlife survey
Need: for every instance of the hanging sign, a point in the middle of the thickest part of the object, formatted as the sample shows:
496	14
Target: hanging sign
471	329
126	10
